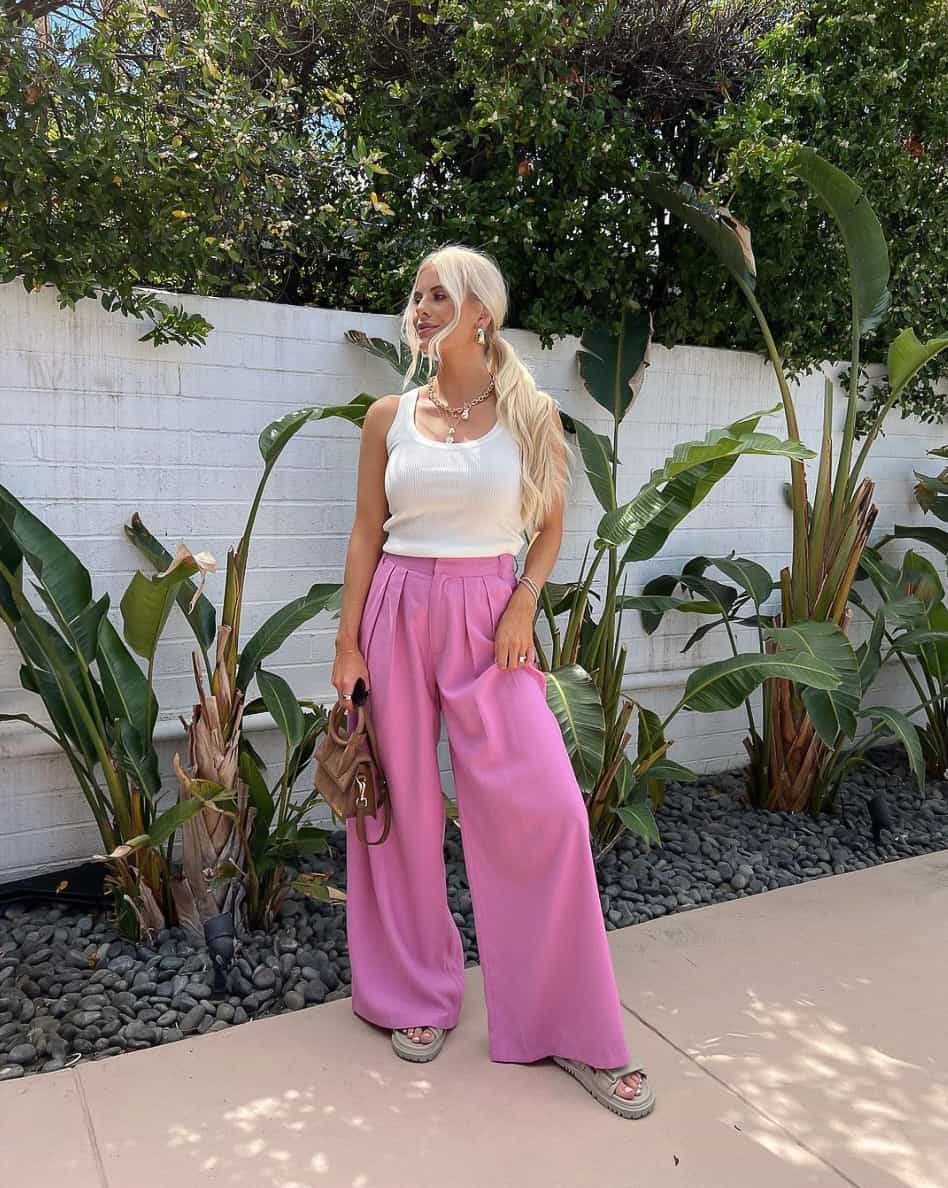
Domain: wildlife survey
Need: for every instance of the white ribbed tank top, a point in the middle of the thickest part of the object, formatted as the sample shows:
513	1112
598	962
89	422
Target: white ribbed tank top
451	499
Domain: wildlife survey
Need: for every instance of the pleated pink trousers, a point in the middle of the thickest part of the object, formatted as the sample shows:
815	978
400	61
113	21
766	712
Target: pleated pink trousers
427	635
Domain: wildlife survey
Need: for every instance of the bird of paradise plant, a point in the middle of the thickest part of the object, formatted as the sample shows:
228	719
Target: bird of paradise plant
829	536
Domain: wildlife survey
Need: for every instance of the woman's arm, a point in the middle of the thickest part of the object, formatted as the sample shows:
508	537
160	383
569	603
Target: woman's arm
514	635
367	537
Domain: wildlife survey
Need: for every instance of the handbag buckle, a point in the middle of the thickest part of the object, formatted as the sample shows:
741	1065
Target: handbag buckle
361	799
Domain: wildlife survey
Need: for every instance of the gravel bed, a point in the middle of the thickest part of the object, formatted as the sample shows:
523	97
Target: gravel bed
71	988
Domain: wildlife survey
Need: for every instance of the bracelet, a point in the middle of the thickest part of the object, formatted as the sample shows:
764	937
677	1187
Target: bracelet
531	586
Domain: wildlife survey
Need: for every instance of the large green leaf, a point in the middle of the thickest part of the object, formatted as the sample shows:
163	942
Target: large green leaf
908	611
651	745
934	654
11	576
397	357
684	493
639	818
659	603
749	575
700	632
931	495
907	733
692	578
861	231
668	770
596	452
907	356
912	641
85	628
724	684
42	684
280	626
573	697
678	498
869	653
278	434
919	577
260	798
139	760
832	711
55	674
884	577
617	527
281	702
202	793
612	365
147	603
728	238
935	538
67	587
203	618
124	684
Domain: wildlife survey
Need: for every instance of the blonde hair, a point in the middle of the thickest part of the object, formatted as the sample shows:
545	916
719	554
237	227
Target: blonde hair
523	408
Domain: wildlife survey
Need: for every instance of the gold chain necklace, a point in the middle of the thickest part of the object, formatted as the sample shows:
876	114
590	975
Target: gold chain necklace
464	411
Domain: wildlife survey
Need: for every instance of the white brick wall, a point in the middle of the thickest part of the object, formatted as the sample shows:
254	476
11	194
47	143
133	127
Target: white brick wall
96	425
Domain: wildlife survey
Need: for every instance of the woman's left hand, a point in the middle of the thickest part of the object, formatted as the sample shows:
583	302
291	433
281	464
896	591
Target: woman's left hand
514	635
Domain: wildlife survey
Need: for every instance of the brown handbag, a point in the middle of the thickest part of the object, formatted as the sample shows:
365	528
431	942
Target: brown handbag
349	775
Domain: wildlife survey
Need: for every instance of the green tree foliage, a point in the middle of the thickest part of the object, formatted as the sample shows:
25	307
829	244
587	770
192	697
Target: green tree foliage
863	82
310	151
175	147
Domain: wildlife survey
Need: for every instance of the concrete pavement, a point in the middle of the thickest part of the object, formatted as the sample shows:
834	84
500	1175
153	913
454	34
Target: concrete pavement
793	1038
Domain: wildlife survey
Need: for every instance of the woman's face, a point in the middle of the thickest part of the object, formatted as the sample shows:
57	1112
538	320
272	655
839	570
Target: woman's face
433	309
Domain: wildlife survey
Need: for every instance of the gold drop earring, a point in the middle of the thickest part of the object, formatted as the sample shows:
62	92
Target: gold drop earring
480	336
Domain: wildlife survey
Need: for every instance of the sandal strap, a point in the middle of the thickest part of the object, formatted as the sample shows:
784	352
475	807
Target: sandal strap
612	1076
624	1071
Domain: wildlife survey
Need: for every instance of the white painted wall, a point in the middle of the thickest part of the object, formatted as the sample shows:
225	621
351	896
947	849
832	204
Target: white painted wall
96	425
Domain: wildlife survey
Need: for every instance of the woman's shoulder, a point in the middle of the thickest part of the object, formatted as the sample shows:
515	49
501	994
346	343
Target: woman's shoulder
382	412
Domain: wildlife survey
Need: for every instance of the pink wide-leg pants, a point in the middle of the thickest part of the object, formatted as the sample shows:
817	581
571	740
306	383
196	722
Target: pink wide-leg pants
427	635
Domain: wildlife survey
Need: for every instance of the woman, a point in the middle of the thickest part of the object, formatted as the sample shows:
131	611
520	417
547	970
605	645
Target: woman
434	619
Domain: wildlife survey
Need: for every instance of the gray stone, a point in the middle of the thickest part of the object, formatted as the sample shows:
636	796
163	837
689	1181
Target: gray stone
191	1020
22	1054
314	990
146	1032
264	977
237	983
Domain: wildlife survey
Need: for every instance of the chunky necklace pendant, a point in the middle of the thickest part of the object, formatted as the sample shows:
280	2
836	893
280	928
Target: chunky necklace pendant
450	436
466	413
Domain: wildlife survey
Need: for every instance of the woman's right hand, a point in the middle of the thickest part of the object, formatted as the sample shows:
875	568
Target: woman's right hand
348	666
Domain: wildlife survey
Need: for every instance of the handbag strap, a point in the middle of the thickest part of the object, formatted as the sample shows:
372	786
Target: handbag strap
373	745
386	817
350	739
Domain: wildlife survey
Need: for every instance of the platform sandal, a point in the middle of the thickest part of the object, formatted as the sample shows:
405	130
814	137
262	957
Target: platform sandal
602	1083
410	1049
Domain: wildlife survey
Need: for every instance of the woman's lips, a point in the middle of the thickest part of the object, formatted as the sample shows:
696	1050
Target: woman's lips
425	329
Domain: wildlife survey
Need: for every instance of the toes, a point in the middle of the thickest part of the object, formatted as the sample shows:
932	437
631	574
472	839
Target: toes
421	1035
627	1088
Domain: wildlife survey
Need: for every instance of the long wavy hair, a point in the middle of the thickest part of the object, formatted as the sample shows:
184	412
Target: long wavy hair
523	408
